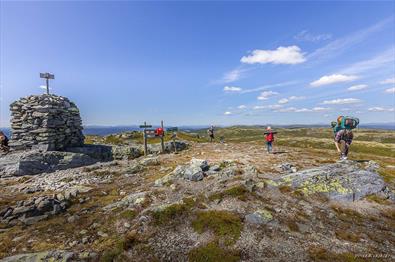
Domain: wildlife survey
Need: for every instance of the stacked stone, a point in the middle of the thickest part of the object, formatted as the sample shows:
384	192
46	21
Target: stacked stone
48	122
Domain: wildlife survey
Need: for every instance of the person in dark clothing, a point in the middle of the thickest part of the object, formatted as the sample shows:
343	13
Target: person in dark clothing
343	140
210	133
4	142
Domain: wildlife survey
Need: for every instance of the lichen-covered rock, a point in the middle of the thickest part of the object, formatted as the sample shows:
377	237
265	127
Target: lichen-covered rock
45	122
259	217
129	200
344	180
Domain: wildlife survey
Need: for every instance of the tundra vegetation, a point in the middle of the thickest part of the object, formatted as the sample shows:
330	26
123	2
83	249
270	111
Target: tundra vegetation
239	210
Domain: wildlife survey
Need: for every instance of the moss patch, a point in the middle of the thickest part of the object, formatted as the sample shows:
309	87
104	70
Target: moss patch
238	191
377	199
321	254
128	214
348	236
212	253
168	214
223	224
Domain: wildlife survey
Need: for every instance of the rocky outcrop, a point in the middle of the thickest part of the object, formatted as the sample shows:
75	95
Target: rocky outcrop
32	210
53	255
345	180
35	162
169	147
48	122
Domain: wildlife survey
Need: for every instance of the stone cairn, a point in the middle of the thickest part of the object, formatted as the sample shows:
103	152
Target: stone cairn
46	122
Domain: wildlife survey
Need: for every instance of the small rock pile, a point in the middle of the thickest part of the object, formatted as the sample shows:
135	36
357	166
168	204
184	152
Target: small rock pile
49	122
32	210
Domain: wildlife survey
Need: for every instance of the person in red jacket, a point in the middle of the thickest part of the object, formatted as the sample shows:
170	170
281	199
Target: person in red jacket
269	136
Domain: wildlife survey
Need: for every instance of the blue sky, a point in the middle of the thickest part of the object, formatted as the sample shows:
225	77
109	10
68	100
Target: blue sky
197	63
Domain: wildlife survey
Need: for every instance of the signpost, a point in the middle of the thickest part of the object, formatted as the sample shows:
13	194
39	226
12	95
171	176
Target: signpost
149	132
47	76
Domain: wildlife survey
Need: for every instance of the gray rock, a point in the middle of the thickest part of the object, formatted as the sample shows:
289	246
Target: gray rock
259	217
344	180
193	173
286	167
35	162
54	255
215	168
202	164
132	199
150	161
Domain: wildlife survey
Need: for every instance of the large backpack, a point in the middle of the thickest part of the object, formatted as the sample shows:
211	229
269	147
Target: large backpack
347	122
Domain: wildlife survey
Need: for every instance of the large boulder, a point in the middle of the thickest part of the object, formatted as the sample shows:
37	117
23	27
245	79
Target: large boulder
35	162
345	180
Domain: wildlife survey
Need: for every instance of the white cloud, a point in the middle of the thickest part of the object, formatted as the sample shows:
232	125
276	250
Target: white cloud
383	60
296	97
268	107
283	101
232	76
266	94
309	37
357	87
390	90
388	81
332	79
338	46
227	113
342	101
286	100
44	87
242	107
282	55
267	87
380	109
320	109
232	89
303	110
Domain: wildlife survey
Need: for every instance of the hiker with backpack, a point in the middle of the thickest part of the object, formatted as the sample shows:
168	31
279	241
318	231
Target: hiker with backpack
342	130
210	133
4	143
343	141
269	137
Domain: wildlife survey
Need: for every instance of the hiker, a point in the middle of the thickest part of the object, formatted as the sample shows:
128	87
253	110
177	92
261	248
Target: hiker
210	133
4	142
269	136
343	141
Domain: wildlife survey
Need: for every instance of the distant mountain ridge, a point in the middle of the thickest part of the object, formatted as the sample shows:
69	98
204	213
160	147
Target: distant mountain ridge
107	130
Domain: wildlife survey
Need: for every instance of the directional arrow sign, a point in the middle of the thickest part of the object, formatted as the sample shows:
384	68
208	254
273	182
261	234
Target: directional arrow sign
145	126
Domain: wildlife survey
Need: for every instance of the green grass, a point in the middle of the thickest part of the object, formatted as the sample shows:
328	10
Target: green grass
321	254
212	253
128	214
169	214
224	224
238	191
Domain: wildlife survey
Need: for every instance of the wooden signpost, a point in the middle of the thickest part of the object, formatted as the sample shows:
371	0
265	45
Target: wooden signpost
149	132
47	76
